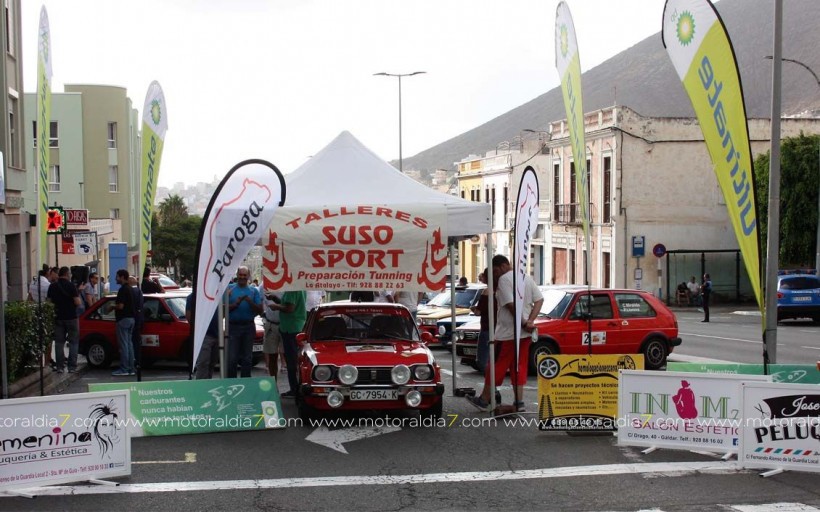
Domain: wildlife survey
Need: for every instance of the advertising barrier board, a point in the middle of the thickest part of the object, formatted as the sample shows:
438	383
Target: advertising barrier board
580	392
787	373
164	408
783	430
687	411
60	439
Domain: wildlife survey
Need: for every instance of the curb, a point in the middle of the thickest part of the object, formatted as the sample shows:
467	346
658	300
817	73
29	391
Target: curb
29	386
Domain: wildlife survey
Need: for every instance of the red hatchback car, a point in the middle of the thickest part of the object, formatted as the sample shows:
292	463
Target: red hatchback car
356	356
623	322
165	335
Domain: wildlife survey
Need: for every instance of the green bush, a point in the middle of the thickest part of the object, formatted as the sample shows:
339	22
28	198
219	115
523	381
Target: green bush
23	349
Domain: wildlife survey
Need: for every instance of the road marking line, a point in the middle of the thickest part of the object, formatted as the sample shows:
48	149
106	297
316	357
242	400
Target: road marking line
772	507
811	348
718	337
673	468
190	457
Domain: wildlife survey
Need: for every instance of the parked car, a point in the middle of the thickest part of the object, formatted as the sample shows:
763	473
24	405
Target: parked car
356	356
166	282
623	322
165	334
444	328
798	296
440	307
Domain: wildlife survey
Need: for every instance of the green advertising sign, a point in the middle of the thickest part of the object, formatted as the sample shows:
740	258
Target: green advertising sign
164	408
788	373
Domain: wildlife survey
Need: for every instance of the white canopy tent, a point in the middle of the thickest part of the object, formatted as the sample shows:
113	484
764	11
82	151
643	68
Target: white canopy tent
346	172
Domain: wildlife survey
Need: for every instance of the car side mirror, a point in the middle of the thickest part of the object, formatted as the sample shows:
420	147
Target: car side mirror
301	338
426	337
166	317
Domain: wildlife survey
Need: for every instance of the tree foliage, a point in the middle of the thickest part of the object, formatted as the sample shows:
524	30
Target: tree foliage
799	180
174	244
172	210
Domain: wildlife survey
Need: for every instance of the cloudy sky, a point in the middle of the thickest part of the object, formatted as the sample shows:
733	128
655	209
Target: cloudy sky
279	79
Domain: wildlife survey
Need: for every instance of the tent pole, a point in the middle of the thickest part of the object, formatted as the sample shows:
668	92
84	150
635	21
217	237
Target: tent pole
453	313
491	318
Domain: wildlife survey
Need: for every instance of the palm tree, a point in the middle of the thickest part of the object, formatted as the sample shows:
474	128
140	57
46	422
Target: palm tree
172	210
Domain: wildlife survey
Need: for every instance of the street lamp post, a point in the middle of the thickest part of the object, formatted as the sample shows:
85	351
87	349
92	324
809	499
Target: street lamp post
817	252
399	76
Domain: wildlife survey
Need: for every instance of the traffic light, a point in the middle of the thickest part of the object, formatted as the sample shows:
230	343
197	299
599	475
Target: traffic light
55	220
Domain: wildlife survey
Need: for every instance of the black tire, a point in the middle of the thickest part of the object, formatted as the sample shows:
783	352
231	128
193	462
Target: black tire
435	412
99	352
542	346
654	353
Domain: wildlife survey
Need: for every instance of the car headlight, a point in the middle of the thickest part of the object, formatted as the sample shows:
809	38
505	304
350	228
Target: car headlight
322	373
400	374
442	330
348	374
428	321
458	336
423	372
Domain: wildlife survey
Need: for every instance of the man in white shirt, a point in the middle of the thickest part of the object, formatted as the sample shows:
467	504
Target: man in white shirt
505	333
408	299
314	298
273	338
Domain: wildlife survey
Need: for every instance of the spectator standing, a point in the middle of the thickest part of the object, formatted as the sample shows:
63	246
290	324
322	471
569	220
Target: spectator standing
462	281
482	309
66	299
244	303
209	352
505	333
292	316
273	338
408	299
106	287
139	321
706	293
148	285
124	314
38	289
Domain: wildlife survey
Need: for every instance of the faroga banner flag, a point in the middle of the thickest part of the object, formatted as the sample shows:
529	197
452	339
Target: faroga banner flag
568	63
702	54
43	131
154	126
526	221
357	247
242	206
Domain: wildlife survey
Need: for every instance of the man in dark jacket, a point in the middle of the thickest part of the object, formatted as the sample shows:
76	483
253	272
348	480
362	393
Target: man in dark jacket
148	285
66	299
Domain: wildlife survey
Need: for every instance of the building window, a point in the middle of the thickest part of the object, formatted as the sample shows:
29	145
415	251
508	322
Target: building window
112	135
54	178
573	194
487	195
607	190
556	189
12	153
53	136
506	205
113	179
9	30
114	213
462	193
607	265
572	264
492	202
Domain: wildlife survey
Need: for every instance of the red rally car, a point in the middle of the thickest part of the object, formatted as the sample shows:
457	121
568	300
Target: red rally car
356	356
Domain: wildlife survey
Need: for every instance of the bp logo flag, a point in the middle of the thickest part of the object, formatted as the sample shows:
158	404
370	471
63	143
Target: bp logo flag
526	220
154	126
239	212
702	54
568	63
43	130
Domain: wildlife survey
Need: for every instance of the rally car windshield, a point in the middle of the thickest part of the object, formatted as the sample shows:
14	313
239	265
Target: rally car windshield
363	325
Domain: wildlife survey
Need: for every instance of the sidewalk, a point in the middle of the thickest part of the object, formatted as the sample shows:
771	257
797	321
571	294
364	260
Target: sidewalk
726	309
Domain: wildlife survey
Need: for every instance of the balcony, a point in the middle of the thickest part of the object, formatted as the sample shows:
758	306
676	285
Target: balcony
570	213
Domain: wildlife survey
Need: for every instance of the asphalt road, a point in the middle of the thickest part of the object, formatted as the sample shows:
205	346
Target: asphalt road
469	462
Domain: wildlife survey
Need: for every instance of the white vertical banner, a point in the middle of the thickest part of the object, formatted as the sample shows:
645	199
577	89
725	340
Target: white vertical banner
241	209
526	221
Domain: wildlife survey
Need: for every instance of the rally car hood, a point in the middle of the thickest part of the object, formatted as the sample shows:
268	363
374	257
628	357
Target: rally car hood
365	352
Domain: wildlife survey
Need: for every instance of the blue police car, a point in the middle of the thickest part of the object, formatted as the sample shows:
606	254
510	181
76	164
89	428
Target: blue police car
798	296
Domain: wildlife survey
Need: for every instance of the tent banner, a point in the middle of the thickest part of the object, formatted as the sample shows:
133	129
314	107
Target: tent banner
357	247
526	221
702	54
240	208
568	63
154	126
43	131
